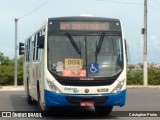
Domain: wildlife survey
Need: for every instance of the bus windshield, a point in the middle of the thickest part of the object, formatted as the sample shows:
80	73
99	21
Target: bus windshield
85	55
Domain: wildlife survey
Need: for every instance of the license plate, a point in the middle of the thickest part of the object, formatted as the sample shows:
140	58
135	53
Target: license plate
89	104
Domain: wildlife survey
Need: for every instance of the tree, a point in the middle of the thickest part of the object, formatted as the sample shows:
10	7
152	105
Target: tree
7	70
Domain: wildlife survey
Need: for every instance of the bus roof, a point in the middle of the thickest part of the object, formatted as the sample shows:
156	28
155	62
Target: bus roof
83	18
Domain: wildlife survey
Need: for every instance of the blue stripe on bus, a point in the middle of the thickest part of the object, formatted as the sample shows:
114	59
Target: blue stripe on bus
54	99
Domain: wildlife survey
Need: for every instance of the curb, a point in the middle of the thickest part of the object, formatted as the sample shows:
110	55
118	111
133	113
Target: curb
12	88
141	86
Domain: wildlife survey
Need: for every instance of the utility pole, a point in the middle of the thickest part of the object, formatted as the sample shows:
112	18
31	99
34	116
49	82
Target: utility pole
15	65
145	71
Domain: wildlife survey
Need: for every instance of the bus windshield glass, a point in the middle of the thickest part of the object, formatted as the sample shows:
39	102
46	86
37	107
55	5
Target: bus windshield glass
85	55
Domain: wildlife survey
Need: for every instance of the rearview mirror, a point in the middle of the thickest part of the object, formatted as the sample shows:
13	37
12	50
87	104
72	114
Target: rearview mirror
40	42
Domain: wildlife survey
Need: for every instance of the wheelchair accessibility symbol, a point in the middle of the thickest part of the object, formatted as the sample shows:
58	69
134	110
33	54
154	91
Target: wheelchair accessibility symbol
93	68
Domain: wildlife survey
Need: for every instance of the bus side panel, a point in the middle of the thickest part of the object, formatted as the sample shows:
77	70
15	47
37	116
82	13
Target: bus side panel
26	67
43	64
31	71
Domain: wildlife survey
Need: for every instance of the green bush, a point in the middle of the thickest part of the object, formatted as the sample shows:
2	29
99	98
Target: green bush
7	80
154	76
135	77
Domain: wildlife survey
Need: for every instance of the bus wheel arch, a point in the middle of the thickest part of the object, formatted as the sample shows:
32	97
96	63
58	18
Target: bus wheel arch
39	99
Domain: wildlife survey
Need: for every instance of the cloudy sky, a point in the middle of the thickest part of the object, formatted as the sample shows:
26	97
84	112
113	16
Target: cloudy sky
32	14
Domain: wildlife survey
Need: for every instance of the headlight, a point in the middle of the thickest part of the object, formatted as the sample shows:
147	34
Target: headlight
53	87
118	88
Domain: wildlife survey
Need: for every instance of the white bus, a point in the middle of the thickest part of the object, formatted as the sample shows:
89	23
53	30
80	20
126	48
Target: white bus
76	61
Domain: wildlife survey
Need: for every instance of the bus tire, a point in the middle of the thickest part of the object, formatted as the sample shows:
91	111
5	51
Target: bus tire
103	110
29	98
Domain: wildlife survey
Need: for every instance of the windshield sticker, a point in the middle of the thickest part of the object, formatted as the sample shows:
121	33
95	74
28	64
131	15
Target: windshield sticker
74	73
73	63
93	68
59	66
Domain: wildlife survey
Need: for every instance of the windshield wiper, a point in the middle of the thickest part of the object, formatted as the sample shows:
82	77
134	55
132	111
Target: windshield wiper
73	43
98	48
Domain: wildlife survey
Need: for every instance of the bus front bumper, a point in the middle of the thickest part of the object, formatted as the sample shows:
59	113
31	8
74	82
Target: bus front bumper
53	99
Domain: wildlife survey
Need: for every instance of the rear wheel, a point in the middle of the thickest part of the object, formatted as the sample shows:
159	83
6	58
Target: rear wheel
103	110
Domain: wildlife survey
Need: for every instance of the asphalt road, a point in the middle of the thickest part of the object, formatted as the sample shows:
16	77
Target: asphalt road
137	101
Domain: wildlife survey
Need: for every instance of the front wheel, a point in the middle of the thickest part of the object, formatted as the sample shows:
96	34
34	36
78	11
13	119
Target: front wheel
103	110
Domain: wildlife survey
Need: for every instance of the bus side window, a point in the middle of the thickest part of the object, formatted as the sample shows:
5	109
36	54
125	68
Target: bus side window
34	49
28	49
37	50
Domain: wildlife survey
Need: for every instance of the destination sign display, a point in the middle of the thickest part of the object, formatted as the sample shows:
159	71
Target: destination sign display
94	26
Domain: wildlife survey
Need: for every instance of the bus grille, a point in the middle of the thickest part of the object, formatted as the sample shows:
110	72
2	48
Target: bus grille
86	82
96	100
